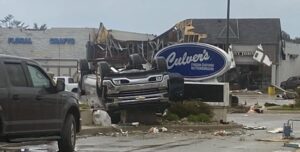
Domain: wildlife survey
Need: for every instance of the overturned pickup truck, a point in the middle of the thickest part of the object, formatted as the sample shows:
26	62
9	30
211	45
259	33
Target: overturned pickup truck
133	91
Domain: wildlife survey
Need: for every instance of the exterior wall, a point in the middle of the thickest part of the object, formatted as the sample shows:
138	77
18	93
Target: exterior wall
290	66
54	43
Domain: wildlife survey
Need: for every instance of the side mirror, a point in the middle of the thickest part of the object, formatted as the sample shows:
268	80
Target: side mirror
60	86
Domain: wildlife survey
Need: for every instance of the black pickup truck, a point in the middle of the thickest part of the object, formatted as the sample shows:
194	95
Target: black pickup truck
33	107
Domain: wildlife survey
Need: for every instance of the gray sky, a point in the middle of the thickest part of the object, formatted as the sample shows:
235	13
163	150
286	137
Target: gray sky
147	16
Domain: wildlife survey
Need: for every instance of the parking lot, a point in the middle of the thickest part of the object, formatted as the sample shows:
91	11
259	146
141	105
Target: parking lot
243	140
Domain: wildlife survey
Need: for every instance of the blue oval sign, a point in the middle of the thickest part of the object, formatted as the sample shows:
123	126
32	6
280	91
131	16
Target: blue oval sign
195	61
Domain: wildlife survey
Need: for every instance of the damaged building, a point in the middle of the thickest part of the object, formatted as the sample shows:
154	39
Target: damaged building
116	46
244	36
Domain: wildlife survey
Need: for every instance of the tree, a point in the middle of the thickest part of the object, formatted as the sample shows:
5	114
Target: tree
42	27
10	22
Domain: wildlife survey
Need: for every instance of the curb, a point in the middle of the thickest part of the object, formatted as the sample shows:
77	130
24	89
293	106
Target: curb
94	130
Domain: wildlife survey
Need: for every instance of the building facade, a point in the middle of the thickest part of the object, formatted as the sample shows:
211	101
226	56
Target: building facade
244	36
55	47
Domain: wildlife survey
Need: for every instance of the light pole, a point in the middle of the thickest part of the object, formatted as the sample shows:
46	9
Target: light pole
227	26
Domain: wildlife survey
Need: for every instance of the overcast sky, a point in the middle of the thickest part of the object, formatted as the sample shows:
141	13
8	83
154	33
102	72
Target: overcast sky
147	16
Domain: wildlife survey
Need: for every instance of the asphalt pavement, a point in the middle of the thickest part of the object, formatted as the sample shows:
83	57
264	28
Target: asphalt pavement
238	140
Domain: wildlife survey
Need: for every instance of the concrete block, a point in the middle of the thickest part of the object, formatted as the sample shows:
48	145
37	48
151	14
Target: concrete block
86	117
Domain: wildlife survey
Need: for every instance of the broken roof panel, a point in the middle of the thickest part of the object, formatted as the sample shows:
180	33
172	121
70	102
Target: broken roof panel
130	36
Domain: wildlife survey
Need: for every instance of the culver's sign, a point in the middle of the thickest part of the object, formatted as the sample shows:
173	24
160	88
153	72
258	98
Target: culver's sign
195	61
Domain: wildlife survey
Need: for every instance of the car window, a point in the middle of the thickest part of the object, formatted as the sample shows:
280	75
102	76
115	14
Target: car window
39	79
71	80
61	79
16	74
291	78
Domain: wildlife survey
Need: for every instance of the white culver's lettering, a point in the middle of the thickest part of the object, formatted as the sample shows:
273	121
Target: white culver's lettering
172	60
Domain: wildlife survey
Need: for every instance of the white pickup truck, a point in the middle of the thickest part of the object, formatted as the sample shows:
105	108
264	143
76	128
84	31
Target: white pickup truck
70	85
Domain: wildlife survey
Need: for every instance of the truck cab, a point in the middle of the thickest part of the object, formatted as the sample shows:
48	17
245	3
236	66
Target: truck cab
33	107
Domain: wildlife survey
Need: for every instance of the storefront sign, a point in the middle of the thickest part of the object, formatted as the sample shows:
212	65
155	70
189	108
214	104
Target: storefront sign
243	53
196	61
57	41
19	40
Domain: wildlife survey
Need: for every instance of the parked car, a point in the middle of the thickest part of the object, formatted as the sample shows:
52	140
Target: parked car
131	87
33	107
70	85
291	83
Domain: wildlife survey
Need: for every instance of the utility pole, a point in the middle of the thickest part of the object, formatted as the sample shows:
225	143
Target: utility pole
227	26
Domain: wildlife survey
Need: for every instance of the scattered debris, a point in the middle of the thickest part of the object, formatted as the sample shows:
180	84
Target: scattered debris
226	133
153	130
119	129
275	131
254	128
256	109
221	133
293	145
163	129
135	124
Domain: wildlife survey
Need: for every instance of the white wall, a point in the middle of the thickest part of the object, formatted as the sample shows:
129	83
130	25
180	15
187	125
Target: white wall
290	66
41	46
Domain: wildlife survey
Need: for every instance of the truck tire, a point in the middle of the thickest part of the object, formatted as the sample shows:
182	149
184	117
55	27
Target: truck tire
84	70
176	87
160	64
103	69
84	67
136	61
68	135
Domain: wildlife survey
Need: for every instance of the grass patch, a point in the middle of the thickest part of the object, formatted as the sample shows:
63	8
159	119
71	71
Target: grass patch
171	117
199	118
290	107
194	111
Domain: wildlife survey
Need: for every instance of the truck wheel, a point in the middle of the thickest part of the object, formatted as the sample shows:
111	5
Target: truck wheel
136	61
84	67
160	64
68	135
103	68
176	87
